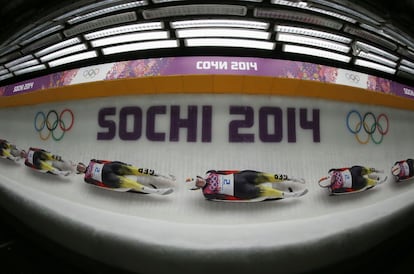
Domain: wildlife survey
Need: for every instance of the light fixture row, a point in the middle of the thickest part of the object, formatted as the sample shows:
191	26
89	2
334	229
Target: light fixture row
295	40
102	8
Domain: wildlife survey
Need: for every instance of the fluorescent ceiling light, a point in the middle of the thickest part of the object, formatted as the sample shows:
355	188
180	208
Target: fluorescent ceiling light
372	65
370	37
333	14
28	31
222	32
141	46
3	71
377	58
97	13
362	13
296	16
376	30
58	46
15	55
30	69
6	76
42	34
86	8
407	63
63	52
406	52
219	23
24	65
304	5
18	61
134	37
368	48
187	10
44	42
295	4
314	33
115	19
406	69
124	29
316	52
317	42
399	35
164	1
220	42
73	58
8	49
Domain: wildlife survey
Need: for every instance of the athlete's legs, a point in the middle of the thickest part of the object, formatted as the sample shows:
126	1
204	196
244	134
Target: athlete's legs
270	178
6	153
359	170
266	191
120	168
45	156
371	181
257	178
49	162
15	152
61	165
129	183
245	189
376	179
368	170
359	182
44	165
124	169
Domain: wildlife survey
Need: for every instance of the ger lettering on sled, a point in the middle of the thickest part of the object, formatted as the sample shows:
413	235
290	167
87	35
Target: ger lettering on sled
244	186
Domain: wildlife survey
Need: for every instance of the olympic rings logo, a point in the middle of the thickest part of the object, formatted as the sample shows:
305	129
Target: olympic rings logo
352	77
374	127
53	122
91	73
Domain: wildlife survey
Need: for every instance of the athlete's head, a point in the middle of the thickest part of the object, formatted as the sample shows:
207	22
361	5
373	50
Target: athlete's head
81	168
196	183
396	169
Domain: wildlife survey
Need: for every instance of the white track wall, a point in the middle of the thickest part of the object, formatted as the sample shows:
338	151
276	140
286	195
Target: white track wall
246	226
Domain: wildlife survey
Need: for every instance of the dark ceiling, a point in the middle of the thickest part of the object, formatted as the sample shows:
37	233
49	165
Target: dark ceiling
17	14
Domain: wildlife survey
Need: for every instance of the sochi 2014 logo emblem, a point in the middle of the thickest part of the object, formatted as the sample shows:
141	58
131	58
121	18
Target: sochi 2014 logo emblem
367	126
53	124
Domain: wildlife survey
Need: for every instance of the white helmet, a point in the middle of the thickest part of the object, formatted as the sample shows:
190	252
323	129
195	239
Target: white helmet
395	170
